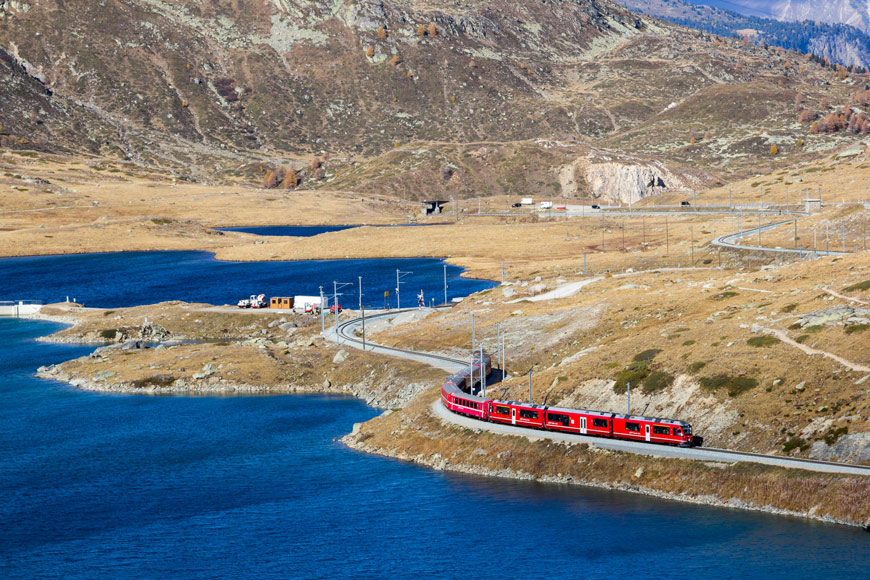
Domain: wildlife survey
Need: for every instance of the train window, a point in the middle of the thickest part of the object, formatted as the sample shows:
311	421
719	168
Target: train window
599	423
526	414
558	418
660	430
501	410
632	427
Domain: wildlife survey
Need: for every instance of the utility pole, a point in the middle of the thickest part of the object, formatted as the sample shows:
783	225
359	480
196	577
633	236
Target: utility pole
478	205
362	314
786	198
482	372
730	202
692	242
844	236
628	408
322	324
667	238
530	386
445	283
473	348
335	286
584	263
502	271
623	235
795	234
399	276
759	230
643	226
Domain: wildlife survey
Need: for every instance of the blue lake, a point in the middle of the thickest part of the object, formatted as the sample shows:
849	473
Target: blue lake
297	231
95	485
114	280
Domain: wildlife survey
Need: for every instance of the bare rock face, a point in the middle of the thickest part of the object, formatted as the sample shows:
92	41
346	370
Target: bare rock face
628	183
853	448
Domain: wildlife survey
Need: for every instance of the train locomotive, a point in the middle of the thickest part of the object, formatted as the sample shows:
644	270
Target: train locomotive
456	395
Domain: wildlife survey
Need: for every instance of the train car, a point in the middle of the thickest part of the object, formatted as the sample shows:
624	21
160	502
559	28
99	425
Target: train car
653	430
514	413
578	421
460	402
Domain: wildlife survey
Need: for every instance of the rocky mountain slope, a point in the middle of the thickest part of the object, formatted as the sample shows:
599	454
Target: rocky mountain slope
225	90
846	44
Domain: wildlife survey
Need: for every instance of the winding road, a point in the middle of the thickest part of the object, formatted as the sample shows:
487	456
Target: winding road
345	334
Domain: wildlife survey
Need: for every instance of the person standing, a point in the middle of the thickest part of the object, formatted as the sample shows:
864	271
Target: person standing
421	300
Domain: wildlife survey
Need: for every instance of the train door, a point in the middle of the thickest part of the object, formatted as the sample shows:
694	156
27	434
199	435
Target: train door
646	431
583	425
513	416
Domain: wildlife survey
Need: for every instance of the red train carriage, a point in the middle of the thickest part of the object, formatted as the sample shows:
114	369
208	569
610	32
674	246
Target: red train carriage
652	430
578	421
514	413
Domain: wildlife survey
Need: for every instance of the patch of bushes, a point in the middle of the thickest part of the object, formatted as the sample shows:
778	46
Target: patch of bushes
795	443
108	312
697	366
108	333
833	435
657	381
802	338
814	328
634	373
647	355
724	295
865	285
852	329
154	381
733	385
688	342
788	309
763	341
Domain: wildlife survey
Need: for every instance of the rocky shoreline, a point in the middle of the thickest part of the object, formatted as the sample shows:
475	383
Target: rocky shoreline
435	461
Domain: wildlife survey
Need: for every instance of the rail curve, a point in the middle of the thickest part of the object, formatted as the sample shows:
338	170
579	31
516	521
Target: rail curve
343	335
730	241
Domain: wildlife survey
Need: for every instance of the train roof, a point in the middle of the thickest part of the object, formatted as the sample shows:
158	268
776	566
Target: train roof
584	411
519	404
649	419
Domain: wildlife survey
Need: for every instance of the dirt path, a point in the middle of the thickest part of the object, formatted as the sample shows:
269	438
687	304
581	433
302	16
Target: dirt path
780	334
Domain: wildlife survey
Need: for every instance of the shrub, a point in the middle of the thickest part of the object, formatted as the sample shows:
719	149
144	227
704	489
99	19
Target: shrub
724	295
865	285
774	149
370	51
647	355
291	180
688	342
108	333
763	341
814	328
432	30
634	373
734	385
154	381
802	338
789	308
382	33
794	443
421	30
657	381
852	329
697	366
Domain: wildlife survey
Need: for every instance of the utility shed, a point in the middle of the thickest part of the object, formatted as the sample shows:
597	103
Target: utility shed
812	205
431	207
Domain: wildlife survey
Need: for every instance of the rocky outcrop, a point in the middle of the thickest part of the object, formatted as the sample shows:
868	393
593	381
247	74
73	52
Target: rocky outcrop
848	448
628	183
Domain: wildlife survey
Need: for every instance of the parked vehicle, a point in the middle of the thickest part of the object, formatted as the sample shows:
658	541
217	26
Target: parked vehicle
561	208
527	201
307	304
254	301
516	204
546	205
685	203
596	206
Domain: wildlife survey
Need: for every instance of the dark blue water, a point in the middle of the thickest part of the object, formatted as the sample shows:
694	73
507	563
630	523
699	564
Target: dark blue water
308	231
297	231
132	278
95	485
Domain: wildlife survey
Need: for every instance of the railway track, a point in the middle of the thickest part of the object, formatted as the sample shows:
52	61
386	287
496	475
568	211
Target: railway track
343	335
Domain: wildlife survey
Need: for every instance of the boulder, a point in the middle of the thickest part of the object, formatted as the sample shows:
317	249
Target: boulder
340	357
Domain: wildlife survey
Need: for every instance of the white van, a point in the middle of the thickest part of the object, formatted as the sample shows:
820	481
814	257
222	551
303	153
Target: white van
527	201
546	205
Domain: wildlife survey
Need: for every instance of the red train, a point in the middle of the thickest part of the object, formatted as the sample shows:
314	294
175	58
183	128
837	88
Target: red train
580	421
